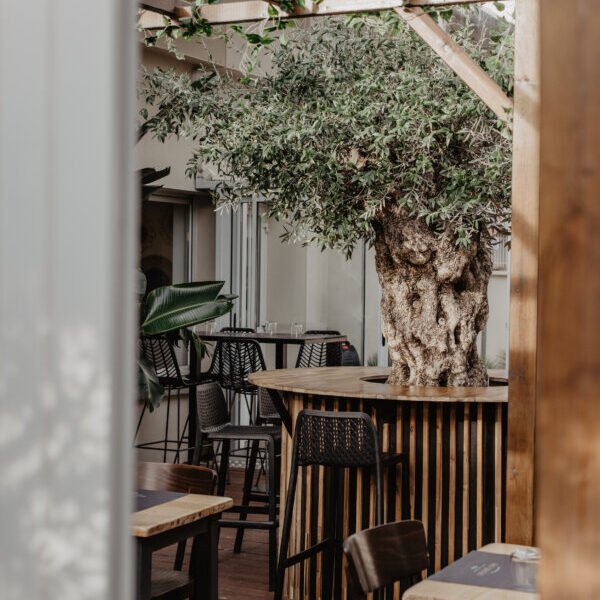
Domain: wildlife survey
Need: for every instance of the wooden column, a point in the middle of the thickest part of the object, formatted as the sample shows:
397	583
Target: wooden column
523	279
567	498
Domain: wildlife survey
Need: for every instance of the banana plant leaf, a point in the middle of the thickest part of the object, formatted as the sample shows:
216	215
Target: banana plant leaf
174	307
149	387
170	310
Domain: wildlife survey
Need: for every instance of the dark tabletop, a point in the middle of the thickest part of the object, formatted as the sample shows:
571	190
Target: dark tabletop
280	337
147	498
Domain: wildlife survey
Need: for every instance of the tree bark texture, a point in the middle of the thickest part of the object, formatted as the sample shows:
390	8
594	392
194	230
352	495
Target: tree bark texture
434	301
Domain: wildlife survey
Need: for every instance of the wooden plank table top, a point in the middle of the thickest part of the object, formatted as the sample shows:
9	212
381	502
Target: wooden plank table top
442	590
353	382
181	511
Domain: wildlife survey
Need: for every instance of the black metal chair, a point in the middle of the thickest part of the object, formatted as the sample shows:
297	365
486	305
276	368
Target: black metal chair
377	558
215	426
319	355
233	360
350	356
160	353
336	441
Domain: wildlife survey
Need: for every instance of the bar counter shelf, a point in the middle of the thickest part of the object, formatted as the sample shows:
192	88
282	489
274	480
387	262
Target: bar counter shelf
455	441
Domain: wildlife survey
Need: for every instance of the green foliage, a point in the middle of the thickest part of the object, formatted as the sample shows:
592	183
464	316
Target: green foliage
170	310
175	307
357	114
195	26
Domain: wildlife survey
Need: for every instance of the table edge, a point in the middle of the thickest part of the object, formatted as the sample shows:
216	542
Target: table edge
140	531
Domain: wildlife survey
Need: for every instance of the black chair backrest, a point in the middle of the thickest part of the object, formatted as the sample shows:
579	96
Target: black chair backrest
237	330
350	356
336	439
234	360
319	355
381	556
159	352
186	479
266	407
212	408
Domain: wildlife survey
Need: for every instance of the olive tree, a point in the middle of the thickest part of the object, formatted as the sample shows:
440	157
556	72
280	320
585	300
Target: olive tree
361	133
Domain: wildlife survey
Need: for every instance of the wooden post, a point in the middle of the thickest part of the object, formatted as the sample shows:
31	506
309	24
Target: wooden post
567	499
523	278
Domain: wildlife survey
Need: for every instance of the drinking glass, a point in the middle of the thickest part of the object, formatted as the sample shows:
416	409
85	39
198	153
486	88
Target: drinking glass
297	329
271	327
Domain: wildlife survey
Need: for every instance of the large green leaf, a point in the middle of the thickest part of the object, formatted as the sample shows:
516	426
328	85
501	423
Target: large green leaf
149	387
174	307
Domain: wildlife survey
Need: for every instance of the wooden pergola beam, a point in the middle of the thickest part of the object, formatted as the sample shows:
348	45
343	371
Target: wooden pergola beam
258	10
410	11
458	60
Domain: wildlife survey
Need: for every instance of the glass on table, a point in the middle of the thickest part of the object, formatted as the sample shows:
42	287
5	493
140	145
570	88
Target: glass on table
297	329
208	328
271	327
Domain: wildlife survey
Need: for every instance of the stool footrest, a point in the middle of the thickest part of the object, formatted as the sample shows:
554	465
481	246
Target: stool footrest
248	510
248	524
392	458
296	558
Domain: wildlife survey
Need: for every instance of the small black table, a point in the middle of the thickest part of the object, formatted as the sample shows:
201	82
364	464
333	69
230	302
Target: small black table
165	518
280	339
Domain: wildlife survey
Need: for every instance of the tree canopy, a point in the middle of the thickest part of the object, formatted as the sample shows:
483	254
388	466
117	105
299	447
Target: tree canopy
356	114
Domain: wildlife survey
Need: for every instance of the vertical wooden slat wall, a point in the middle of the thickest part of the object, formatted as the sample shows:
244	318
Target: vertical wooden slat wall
454	484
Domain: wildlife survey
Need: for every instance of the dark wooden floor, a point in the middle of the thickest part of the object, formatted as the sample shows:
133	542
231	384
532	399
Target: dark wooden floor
243	575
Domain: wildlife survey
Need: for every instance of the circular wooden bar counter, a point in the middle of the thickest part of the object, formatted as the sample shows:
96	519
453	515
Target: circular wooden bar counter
455	441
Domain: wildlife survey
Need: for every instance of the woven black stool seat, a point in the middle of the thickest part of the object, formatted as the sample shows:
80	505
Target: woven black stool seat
335	441
245	432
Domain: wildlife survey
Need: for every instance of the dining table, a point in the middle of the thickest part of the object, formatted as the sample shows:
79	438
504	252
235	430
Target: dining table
165	518
494	572
281	339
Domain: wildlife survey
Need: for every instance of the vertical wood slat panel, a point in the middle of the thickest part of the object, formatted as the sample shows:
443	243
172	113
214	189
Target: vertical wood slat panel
454	483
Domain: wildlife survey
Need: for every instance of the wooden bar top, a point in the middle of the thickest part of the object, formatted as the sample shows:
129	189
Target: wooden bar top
353	382
169	515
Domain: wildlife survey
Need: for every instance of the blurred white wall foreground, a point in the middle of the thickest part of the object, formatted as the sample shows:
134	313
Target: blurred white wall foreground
67	304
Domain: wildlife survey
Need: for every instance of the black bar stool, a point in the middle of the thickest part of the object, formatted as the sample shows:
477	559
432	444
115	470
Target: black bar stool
160	353
233	360
319	355
215	426
336	441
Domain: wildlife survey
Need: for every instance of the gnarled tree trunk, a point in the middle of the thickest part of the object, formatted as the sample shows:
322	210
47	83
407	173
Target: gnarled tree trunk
434	301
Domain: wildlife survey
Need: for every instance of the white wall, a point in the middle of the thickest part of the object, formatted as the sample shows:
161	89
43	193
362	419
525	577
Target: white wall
174	152
323	290
67	301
